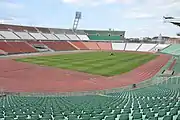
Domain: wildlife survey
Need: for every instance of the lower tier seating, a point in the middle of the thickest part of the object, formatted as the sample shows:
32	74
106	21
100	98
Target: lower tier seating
91	45
9	48
80	45
172	49
104	45
118	46
22	46
157	102
59	46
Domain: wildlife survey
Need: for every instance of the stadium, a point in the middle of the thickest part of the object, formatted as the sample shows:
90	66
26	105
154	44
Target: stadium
72	74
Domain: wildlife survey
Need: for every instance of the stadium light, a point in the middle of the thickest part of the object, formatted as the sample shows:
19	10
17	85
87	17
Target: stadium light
78	16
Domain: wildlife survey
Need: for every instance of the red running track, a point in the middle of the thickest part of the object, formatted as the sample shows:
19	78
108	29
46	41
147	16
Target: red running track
25	77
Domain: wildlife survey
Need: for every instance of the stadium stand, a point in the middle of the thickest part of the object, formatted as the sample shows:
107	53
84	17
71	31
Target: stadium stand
156	102
1	37
15	28
39	46
59	46
2	52
3	27
23	47
104	45
30	29
146	47
159	47
83	37
72	36
38	36
9	35
91	45
99	37
9	49
80	32
132	46
56	31
80	45
50	36
173	49
118	46
43	30
24	35
62	36
104	35
176	67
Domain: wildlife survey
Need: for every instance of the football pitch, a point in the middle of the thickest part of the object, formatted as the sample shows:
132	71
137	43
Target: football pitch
99	63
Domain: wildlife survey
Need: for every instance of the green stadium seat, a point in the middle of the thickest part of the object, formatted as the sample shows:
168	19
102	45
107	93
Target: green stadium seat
124	117
168	117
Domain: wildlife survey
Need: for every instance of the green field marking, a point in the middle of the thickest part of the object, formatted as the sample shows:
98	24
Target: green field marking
100	63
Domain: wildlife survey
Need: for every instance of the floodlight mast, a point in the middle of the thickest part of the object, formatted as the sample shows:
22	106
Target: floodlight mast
76	20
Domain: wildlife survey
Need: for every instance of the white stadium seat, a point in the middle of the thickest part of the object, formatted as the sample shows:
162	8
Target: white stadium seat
132	46
38	36
1	37
159	47
62	36
24	35
50	36
146	47
9	35
118	46
83	37
72	37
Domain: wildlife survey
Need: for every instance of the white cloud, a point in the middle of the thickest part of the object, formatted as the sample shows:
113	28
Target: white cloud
137	15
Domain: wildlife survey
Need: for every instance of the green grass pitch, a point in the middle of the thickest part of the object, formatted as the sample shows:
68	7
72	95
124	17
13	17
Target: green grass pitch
100	63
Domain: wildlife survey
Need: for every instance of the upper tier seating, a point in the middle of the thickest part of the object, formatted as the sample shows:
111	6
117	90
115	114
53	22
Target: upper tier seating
132	46
172	49
91	45
57	31
72	36
24	35
146	47
68	31
118	46
43	30
1	37
80	45
100	37
80	32
9	35
50	36
15	28
83	37
59	46
38	36
3	27
30	29
62	36
104	45
22	46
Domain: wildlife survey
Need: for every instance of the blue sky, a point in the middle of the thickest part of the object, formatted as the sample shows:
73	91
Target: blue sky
138	18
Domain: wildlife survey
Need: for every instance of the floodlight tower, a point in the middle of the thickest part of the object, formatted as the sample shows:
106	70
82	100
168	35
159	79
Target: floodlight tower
76	20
